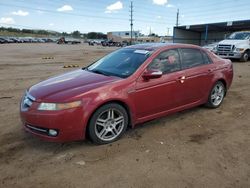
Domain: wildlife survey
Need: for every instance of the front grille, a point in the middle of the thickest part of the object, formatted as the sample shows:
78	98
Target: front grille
27	101
225	48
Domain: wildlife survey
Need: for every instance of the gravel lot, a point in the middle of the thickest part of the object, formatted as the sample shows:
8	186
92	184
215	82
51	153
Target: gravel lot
195	148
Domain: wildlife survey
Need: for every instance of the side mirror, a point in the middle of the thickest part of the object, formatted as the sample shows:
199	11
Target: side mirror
151	74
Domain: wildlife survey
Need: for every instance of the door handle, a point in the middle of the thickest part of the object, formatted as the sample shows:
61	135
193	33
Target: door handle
182	79
210	70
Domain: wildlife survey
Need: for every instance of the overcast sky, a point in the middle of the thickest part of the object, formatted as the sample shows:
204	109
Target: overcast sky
113	15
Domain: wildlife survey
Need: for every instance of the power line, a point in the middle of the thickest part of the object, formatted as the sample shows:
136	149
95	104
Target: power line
145	14
220	11
140	13
152	13
74	14
55	12
198	10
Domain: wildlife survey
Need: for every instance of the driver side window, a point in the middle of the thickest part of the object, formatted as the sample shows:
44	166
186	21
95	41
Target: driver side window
167	62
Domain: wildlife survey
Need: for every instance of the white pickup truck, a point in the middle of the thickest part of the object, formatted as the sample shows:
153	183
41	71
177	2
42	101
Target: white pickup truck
236	46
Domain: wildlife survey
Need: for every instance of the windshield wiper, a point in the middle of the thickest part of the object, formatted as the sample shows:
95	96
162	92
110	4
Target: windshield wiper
99	72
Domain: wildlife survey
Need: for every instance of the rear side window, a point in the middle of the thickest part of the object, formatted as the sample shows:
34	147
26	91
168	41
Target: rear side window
191	58
206	59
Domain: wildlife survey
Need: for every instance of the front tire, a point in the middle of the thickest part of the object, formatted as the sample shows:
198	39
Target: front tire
108	123
245	56
216	95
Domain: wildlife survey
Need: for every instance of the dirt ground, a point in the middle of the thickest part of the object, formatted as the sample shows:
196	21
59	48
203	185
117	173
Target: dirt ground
195	148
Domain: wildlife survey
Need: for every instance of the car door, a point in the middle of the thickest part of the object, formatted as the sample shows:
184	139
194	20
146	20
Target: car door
157	95
197	74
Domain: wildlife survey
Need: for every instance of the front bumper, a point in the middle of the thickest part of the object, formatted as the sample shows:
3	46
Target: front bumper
69	123
233	55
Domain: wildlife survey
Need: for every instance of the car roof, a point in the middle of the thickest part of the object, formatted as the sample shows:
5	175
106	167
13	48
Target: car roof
156	46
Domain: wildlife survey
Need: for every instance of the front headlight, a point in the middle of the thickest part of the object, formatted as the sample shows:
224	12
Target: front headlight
59	106
239	49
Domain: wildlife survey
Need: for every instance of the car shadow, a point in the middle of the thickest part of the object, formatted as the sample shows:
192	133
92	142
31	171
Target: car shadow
170	117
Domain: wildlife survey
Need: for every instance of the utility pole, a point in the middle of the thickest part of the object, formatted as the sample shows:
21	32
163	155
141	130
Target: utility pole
177	18
168	31
131	22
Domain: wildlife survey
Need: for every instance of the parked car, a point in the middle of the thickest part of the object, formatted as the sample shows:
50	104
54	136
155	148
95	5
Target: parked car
129	86
2	41
49	40
108	43
14	40
24	40
37	40
98	41
93	42
19	40
211	47
27	39
9	40
236	46
74	41
62	40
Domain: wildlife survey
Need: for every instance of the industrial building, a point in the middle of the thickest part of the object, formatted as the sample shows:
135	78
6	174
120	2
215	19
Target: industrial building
208	33
119	36
124	33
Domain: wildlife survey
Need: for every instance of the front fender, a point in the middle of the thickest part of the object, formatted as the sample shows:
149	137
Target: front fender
98	98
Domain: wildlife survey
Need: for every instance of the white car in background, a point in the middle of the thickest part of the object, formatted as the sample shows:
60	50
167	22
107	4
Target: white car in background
211	47
236	46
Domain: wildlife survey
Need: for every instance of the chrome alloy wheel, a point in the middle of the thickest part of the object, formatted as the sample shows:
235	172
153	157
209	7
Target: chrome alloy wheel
217	95
109	124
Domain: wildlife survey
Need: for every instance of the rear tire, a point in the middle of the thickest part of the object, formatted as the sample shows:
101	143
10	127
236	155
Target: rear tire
108	123
216	95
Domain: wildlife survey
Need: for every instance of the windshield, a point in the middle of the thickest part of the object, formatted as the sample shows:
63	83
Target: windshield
240	36
121	63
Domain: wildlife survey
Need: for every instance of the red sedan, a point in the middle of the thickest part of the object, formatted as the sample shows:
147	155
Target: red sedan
129	86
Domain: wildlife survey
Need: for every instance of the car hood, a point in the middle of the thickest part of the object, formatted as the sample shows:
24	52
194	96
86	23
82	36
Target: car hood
233	42
68	85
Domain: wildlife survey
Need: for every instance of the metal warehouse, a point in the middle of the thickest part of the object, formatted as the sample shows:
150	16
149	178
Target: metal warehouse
208	33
